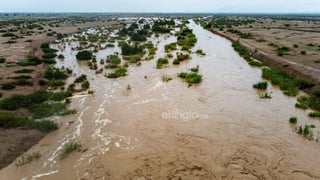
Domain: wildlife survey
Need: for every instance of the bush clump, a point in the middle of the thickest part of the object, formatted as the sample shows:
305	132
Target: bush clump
293	120
69	148
8	86
191	78
2	60
55	73
11	120
161	62
84	55
261	85
117	73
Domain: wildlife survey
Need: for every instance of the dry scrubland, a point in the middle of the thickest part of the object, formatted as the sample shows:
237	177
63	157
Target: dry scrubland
21	36
289	42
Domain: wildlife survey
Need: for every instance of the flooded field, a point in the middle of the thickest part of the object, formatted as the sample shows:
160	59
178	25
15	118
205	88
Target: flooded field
218	129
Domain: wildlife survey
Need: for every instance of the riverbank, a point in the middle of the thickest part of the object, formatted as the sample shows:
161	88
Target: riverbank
16	141
292	68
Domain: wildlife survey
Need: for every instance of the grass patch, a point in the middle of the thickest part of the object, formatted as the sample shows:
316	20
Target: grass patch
11	120
195	69
2	60
166	78
69	148
200	52
24	71
314	114
306	131
261	85
277	77
265	96
84	55
293	120
8	86
27	158
191	78
161	62
29	61
44	110
241	50
170	47
117	73
17	101
256	63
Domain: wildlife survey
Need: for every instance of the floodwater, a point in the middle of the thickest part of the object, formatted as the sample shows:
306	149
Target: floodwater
219	129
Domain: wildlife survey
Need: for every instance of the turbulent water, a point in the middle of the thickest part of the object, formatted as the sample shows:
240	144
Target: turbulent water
219	129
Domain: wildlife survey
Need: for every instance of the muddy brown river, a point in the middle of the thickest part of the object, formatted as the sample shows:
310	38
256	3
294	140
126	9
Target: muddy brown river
219	129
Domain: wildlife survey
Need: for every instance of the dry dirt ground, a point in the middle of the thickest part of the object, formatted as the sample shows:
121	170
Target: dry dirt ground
298	35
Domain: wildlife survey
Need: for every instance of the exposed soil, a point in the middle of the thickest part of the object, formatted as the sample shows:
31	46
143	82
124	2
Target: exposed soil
15	142
302	34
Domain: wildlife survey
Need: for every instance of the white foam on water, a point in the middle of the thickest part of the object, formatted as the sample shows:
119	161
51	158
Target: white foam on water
44	174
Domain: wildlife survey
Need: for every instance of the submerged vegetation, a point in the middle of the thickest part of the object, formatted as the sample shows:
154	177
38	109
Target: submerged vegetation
161	62
119	72
69	148
261	85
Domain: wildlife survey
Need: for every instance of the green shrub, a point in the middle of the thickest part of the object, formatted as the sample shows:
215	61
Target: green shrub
81	78
17	101
49	61
277	77
195	69
111	66
161	62
8	86
128	50
265	96
44	110
113	59
118	73
256	63
8	34
42	125
191	78
200	52
293	120
314	114
27	158
9	120
261	85
176	62
69	148
84	55
24	71
29	61
314	101
170	47
45	45
55	73
2	60
56	82
85	85
166	78
49	55
241	50
61	56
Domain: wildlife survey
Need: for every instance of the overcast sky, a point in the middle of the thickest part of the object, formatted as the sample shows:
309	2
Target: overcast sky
209	6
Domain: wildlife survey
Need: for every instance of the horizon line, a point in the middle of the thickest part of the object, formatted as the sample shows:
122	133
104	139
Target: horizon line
81	12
